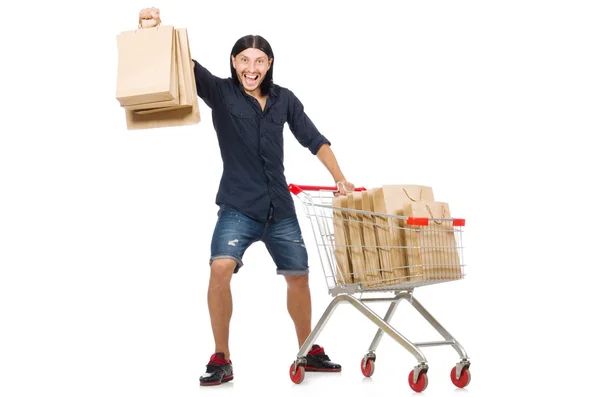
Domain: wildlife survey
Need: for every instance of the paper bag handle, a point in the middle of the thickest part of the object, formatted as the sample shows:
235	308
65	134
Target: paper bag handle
431	214
412	199
150	27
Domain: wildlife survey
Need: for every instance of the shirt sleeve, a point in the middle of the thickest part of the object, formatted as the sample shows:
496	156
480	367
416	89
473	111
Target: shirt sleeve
303	128
207	85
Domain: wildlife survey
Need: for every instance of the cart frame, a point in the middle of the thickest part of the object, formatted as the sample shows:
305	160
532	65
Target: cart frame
316	207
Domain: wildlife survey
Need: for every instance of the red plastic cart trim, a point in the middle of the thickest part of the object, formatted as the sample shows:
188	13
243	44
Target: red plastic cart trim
296	189
417	221
413	221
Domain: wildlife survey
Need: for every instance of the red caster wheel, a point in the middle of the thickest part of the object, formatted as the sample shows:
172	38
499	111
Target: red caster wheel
297	377
368	368
421	383
463	380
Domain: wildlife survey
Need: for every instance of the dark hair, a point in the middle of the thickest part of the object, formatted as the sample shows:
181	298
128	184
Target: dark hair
258	42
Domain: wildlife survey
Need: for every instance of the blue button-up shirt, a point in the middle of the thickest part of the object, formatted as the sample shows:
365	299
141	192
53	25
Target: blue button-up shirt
251	144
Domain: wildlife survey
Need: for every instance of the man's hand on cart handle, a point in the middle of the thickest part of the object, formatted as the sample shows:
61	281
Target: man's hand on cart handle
344	187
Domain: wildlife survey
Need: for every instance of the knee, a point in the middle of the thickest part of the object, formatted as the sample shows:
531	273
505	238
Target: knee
297	282
221	270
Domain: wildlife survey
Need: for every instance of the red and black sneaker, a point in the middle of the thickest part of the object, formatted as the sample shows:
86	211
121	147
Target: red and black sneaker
318	361
218	371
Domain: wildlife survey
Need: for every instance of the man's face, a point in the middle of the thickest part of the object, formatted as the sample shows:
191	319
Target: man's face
251	67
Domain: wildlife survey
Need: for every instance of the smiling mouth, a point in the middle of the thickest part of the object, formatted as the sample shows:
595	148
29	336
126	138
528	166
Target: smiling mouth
251	78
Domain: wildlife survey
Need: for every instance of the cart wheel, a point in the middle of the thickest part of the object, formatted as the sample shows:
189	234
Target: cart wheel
369	368
421	384
463	380
297	377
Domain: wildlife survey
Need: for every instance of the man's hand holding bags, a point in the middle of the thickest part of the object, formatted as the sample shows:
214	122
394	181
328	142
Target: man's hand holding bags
149	18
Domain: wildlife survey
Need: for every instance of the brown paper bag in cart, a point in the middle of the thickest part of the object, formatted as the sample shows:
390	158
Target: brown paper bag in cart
147	68
433	252
370	240
390	200
341	241
187	112
359	266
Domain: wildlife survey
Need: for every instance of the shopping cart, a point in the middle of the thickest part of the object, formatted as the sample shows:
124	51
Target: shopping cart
366	252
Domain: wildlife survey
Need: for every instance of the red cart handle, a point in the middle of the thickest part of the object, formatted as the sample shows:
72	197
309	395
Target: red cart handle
297	189
413	221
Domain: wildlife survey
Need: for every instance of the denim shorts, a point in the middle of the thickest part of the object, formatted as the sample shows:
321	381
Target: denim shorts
235	232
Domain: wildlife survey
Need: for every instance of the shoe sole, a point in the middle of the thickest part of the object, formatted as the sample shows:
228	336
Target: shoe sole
224	380
313	369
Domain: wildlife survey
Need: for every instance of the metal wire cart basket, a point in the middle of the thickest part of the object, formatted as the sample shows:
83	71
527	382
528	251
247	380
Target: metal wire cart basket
364	251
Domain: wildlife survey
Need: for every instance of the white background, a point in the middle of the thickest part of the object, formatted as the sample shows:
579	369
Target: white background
105	233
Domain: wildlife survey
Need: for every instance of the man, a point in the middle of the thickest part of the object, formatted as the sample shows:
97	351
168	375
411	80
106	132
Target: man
249	112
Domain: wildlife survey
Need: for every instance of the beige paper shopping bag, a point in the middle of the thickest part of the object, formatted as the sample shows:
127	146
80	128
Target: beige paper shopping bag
341	241
370	241
390	200
147	67
433	252
357	256
186	91
187	112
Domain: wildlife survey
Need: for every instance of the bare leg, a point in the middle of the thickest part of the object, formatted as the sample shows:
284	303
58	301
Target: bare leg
220	303
299	306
